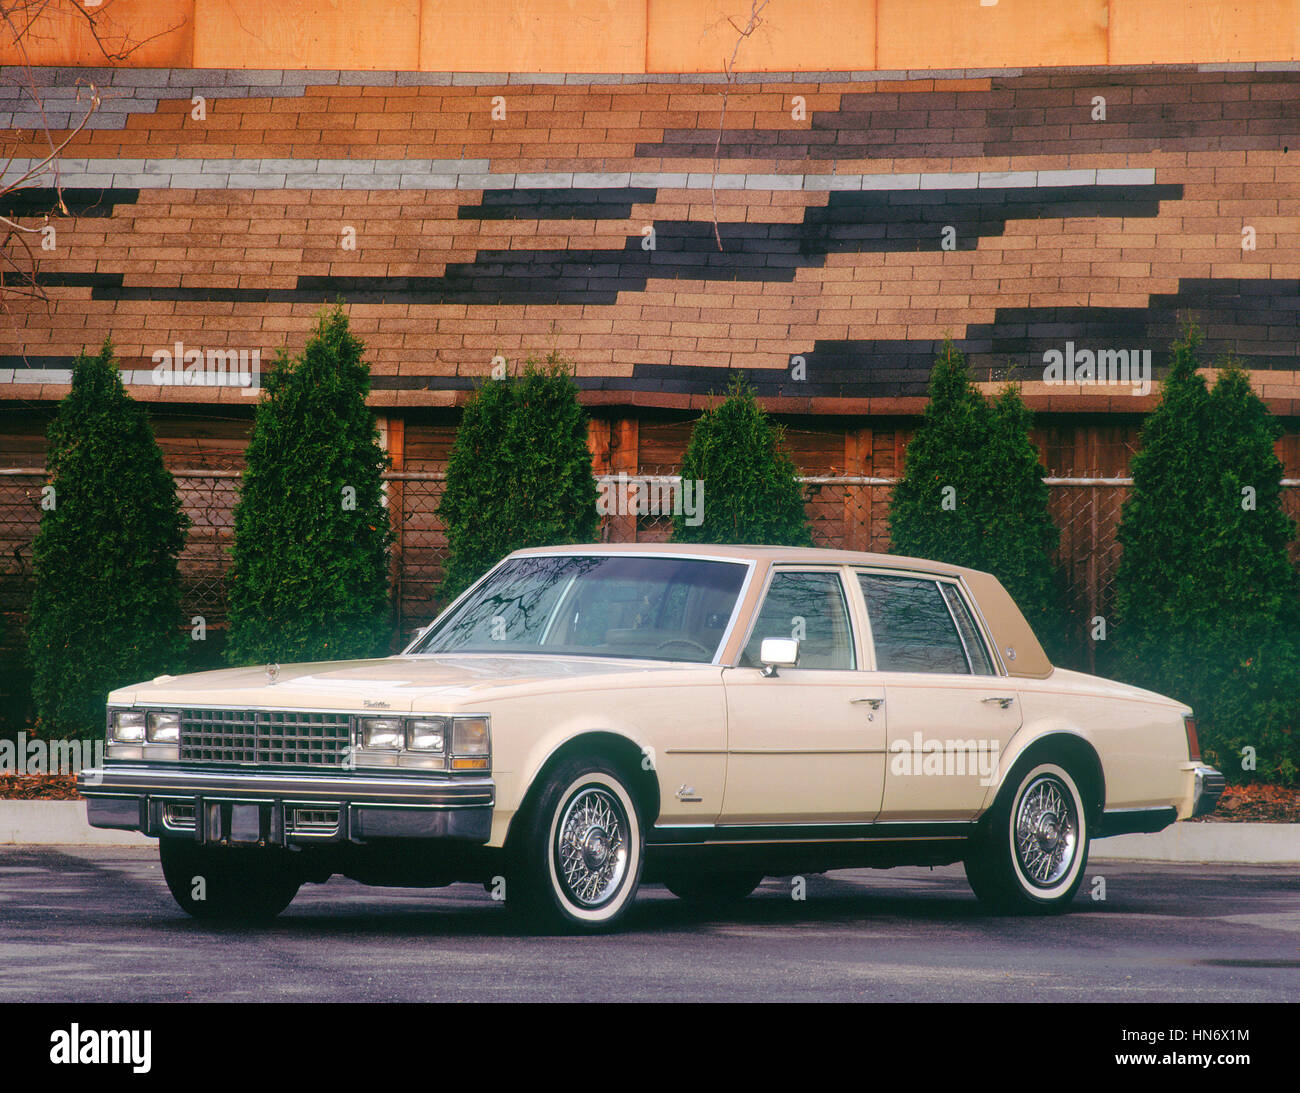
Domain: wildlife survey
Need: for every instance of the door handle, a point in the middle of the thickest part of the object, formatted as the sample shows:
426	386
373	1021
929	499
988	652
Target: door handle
874	703
1003	701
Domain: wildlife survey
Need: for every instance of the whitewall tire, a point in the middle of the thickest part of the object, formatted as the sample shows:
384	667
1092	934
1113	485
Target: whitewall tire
578	861
1032	847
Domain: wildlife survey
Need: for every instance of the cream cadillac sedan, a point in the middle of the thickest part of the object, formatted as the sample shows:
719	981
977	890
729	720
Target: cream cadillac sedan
586	719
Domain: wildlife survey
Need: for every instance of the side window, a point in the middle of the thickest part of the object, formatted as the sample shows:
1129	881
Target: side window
810	607
913	629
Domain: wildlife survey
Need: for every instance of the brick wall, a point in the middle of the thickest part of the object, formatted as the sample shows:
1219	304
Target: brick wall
861	218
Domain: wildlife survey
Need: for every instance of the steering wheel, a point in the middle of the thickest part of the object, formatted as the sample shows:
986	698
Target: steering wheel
684	641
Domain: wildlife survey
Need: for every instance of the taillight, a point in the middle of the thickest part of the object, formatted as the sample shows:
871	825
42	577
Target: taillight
1193	744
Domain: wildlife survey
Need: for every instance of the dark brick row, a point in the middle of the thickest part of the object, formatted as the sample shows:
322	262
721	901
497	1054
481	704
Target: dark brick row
1022	115
850	223
558	204
80	202
1256	320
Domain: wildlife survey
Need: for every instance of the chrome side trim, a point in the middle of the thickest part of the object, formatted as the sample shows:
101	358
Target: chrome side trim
838	831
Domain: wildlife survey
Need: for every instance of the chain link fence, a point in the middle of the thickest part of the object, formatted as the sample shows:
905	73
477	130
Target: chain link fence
845	512
208	499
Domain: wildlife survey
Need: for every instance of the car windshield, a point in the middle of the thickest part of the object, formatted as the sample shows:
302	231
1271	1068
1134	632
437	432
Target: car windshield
658	608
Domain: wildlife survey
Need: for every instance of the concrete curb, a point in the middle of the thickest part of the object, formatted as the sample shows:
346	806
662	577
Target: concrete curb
1228	843
63	823
58	823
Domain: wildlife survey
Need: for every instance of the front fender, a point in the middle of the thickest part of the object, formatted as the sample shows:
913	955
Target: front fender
513	786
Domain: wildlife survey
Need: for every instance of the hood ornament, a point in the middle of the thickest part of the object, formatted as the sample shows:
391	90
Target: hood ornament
272	674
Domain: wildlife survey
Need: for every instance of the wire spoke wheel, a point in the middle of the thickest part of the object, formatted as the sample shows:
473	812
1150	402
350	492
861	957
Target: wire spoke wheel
591	846
1046	831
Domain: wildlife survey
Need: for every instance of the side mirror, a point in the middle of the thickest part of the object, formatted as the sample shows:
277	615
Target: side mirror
778	653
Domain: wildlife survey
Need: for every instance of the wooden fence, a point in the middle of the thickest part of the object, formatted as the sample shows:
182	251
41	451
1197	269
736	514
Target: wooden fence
846	511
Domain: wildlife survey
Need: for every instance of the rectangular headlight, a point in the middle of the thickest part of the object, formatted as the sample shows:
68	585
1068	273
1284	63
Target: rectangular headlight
127	727
426	734
382	732
469	736
163	728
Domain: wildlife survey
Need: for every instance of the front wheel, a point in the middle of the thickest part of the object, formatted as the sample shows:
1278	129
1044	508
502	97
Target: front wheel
1031	849
577	862
238	885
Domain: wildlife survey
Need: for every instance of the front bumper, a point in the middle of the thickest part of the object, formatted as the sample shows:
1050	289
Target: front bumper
278	808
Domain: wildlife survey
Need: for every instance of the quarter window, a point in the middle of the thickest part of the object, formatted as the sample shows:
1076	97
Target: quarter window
921	625
976	654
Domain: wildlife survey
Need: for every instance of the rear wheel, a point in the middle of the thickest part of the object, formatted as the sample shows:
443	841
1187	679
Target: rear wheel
713	889
577	861
241	885
1031	849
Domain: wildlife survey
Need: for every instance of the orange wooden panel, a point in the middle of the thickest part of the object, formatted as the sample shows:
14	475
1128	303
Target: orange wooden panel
598	432
533	36
356	34
792	35
1007	33
130	33
1168	31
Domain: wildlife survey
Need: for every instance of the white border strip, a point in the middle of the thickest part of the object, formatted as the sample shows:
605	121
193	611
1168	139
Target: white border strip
476	174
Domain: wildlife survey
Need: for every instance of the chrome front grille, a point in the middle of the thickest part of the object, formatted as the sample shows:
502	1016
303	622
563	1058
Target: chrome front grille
292	738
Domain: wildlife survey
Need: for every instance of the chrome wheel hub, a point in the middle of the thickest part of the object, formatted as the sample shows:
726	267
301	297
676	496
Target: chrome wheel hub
591	846
595	849
1047	831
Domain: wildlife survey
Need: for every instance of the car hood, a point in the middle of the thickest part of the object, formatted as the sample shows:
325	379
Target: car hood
425	684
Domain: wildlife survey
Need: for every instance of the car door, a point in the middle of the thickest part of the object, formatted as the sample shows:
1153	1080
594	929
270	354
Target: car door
950	710
806	745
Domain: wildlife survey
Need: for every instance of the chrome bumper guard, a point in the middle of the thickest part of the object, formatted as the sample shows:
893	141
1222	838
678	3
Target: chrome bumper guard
266	808
1207	789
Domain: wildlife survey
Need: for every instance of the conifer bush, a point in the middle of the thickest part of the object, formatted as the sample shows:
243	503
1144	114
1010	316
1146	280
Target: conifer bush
751	488
309	579
105	611
972	494
1207	601
520	472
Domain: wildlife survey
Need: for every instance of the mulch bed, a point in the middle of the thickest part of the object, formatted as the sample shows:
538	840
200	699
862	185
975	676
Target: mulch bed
38	787
1257	804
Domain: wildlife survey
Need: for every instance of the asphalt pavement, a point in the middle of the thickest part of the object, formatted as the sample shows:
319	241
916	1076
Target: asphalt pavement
88	924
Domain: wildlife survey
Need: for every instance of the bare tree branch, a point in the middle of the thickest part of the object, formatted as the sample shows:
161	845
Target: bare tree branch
22	19
24	24
729	68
